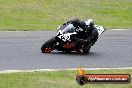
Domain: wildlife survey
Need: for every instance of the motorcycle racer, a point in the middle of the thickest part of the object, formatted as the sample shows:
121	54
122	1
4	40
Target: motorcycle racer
87	33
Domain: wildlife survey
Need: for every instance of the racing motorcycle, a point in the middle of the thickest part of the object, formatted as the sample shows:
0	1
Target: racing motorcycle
64	40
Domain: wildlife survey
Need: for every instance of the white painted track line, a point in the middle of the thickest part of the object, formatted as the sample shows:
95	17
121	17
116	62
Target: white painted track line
68	69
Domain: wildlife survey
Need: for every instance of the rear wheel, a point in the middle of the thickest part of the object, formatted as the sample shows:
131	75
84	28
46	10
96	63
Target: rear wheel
48	46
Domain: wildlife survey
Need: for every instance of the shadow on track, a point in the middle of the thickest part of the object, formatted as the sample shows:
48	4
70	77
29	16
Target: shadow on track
90	54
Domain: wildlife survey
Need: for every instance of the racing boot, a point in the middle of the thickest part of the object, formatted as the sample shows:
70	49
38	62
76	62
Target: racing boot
86	49
84	44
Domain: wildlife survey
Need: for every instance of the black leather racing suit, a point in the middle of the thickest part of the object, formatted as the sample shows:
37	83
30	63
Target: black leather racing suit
88	36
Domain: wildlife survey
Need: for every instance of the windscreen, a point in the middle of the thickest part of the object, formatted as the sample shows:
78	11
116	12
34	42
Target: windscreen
68	29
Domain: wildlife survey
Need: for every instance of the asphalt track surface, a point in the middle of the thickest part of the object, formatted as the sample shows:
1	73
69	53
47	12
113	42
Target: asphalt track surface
21	51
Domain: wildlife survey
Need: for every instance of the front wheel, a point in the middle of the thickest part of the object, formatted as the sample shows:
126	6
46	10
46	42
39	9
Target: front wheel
48	46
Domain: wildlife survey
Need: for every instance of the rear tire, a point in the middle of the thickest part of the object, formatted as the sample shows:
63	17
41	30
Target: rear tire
48	46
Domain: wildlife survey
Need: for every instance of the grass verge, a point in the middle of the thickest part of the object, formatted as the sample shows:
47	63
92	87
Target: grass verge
49	14
56	79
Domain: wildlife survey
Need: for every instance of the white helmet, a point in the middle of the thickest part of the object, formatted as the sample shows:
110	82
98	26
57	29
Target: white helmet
89	22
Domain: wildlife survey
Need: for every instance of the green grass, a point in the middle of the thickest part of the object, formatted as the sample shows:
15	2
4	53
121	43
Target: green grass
49	14
56	79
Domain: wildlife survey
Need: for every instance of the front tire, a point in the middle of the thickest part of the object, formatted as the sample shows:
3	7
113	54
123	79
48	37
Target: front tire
48	46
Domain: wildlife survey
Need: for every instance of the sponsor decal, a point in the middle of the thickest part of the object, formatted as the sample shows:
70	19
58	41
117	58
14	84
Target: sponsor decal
83	78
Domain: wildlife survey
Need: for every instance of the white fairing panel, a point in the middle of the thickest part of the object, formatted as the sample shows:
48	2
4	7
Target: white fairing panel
65	33
100	29
64	37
